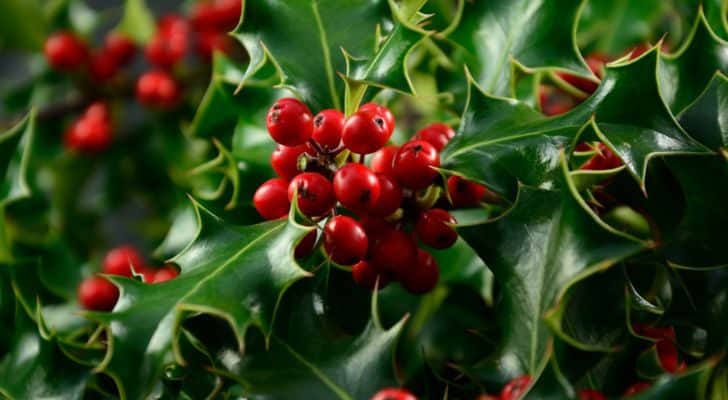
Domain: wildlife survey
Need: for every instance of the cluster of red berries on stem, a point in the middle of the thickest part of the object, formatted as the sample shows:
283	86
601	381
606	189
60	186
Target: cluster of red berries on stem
67	52
374	214
92	131
99	294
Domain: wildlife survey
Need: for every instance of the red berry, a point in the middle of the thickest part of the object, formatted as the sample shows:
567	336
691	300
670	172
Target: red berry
393	394
164	274
383	160
327	128
271	199
147	273
669	356
120	260
102	66
639	50
172	24
284	160
203	17
356	187
604	159
306	245
434	228
390	197
365	132
209	42
366	276
464	193
375	228
168	46
423	278
437	134
515	389
395	254
636	387
595	62
289	122
381	111
315	194
120	47
65	52
227	14
554	101
591	394
413	164
97	110
654	332
345	241
88	135
158	89
97	294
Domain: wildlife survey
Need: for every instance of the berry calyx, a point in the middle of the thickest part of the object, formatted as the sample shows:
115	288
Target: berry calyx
327	128
315	194
423	278
271	199
464	193
306	245
97	294
345	241
591	394
356	187
366	132
395	254
166	273
381	111
414	164
437	134
284	160
120	260
158	89
365	275
383	160
64	51
289	122
390	197
434	228
516	388
119	47
393	394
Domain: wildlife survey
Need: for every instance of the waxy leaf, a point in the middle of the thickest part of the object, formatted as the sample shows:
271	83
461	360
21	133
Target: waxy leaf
15	149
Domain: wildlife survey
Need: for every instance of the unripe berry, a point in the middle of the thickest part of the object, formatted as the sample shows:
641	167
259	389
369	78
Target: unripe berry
434	228
515	389
345	241
158	89
591	394
356	187
382	111
120	47
414	164
65	52
289	122
366	276
306	245
271	199
327	128
436	134
315	194
120	260
284	160
464	193
164	274
383	160
390	197
395	254
393	394
365	132
423	278
97	294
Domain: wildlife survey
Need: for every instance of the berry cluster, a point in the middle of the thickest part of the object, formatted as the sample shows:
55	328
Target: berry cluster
99	294
374	214
66	52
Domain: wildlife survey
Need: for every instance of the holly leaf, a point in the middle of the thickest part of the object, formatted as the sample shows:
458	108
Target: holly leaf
138	21
222	264
716	13
545	243
16	146
494	34
682	79
706	119
22	25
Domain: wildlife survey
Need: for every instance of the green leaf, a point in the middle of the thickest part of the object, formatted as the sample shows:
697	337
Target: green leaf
22	25
16	146
549	240
138	21
493	34
706	119
716	13
689	385
237	274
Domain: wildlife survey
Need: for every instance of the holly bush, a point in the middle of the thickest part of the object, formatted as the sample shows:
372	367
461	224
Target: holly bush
550	228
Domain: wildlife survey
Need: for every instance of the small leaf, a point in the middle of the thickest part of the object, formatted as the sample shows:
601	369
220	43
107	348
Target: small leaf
16	146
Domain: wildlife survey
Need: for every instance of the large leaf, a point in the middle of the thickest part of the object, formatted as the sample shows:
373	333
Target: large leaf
546	242
238	274
706	119
493	34
15	150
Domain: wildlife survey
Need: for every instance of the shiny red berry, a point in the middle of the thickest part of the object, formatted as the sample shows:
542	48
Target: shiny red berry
97	110
356	187
164	274
65	52
164	52
390	197
271	199
394	254
119	261
383	160
203	17
284	160
366	276
227	14
554	101
209	42
158	89
604	159
327	128
591	394
595	62
306	245
382	111
289	122
102	66
423	278
516	388
345	241
434	228
414	164
393	394
669	356
315	194
365	132
120	47
97	294
464	193
89	135
437	134
635	388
